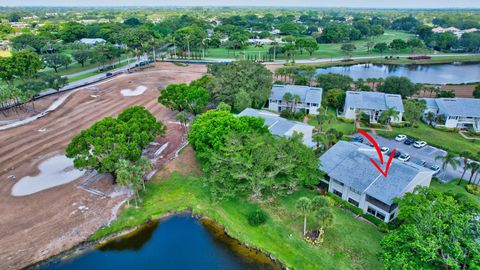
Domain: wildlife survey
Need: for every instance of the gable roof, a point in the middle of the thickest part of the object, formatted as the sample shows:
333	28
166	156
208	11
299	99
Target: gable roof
373	101
350	163
307	94
280	126
465	107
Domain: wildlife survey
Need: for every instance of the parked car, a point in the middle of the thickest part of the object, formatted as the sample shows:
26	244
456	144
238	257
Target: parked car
435	168
396	155
419	144
385	149
369	143
109	74
404	157
421	162
400	137
358	139
409	141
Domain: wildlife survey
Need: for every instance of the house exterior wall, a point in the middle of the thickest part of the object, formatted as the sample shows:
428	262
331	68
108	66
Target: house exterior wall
351	113
279	105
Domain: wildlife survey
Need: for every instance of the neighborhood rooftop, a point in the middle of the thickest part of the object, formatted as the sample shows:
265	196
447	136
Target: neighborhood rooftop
373	101
278	125
465	107
307	94
350	163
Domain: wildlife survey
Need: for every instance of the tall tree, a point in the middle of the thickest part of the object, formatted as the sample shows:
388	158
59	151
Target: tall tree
449	159
304	205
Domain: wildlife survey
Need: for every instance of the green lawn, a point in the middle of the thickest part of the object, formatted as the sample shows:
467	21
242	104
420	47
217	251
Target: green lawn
345	127
450	141
452	187
349	243
324	51
93	73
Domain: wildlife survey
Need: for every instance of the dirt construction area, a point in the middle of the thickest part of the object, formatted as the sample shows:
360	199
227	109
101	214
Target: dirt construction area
37	226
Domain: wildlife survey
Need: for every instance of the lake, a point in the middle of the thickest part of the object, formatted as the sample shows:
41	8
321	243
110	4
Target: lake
438	73
179	242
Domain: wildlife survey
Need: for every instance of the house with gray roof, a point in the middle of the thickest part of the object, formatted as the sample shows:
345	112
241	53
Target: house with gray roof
352	177
373	104
281	126
310	98
463	113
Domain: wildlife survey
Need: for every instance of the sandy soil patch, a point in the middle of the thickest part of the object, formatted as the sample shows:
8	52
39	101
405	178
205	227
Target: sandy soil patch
54	171
40	225
131	93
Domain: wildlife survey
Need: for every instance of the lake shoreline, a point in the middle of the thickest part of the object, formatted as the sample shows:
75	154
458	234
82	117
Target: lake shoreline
89	245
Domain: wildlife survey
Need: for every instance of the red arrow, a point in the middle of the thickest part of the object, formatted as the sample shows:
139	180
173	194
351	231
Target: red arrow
380	155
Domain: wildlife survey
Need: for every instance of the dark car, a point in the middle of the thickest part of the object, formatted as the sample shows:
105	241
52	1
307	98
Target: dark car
358	139
396	155
409	141
109	74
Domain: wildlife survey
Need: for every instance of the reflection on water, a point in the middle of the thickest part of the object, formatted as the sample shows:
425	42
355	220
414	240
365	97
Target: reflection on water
439	74
180	242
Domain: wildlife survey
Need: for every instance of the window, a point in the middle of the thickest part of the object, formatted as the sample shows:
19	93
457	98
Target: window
314	104
352	201
371	210
337	182
338	193
355	191
392	216
380	216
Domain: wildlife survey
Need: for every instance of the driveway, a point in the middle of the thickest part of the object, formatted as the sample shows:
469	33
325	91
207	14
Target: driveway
427	153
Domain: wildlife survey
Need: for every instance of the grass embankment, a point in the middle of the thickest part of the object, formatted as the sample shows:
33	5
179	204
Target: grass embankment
324	51
349	243
452	187
450	141
95	72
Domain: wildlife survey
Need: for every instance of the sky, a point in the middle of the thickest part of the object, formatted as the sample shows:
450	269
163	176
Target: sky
283	3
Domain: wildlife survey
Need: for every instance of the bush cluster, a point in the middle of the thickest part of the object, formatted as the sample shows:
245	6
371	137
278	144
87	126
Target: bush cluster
257	217
474	189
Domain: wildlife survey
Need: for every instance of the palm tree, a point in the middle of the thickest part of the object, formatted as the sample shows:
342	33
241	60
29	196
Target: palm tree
430	117
465	155
183	119
449	159
295	99
304	205
288	97
474	167
388	114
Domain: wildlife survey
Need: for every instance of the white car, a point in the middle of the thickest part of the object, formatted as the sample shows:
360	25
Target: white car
400	137
384	150
419	144
404	157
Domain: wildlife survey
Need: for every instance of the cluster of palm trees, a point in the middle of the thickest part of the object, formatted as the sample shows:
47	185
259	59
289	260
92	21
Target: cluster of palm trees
319	206
291	100
431	117
465	158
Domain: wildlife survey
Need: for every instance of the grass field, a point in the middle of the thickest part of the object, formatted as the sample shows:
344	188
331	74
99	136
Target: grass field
450	141
5	53
324	51
349	243
335	123
452	187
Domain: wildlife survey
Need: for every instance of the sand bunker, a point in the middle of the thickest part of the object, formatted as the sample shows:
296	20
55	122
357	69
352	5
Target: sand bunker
55	171
131	93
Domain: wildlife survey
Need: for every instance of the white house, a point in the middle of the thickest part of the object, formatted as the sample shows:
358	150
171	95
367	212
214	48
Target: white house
460	113
281	126
92	41
352	177
373	104
310	98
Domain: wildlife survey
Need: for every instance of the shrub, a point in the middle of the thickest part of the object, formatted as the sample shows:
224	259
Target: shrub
346	120
344	204
257	217
446	129
399	125
473	189
380	224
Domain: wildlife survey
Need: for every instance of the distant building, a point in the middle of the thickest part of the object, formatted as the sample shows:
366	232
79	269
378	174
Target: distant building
352	177
460	113
281	126
456	31
92	41
373	104
310	98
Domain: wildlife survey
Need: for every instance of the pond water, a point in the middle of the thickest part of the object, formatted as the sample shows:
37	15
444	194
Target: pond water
454	73
179	242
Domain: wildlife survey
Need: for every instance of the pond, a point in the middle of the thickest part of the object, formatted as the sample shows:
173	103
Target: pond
454	73
179	242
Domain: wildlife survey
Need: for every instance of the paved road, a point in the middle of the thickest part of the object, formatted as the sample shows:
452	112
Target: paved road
427	153
336	59
133	59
